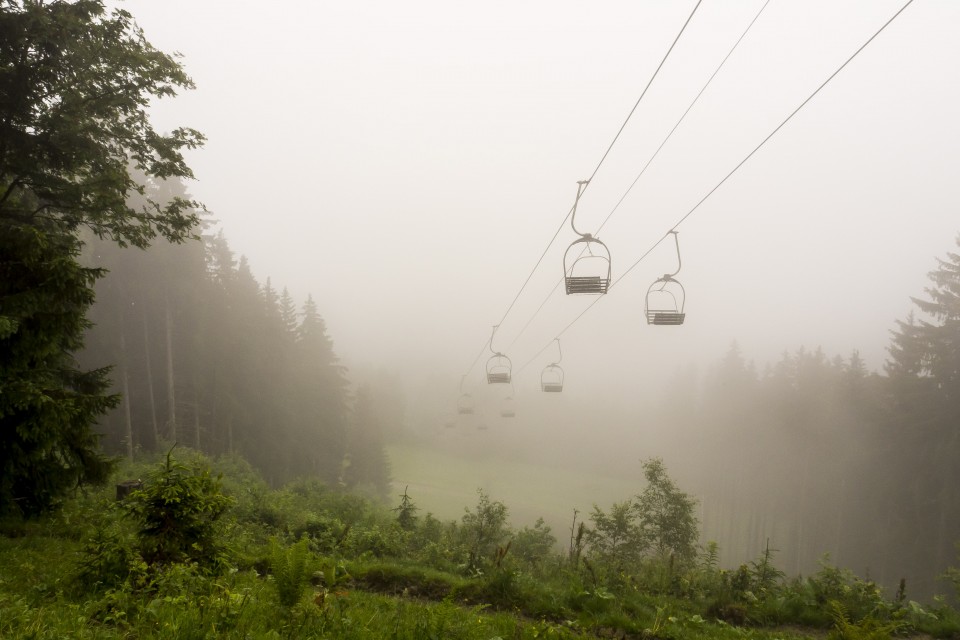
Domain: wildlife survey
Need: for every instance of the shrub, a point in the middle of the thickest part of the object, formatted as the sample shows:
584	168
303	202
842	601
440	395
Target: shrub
177	512
615	539
107	559
483	529
666	514
534	545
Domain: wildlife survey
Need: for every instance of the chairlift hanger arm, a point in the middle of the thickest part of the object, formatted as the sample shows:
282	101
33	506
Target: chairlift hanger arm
492	333
581	187
679	263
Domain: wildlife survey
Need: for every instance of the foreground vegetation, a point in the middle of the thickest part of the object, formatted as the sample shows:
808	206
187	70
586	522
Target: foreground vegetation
195	554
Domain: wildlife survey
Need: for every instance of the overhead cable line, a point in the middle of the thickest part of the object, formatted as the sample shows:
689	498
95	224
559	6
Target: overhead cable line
719	184
645	166
595	170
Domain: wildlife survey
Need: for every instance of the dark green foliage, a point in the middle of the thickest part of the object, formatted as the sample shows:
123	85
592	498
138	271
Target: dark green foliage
75	85
176	514
109	560
47	406
406	512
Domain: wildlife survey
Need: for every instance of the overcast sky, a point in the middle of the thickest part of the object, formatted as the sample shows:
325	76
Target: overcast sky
408	162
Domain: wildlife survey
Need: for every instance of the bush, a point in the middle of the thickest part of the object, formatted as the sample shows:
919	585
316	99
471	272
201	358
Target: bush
108	559
177	512
534	545
482	530
666	514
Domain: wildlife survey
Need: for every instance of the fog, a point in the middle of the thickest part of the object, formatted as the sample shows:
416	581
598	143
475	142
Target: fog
412	161
408	163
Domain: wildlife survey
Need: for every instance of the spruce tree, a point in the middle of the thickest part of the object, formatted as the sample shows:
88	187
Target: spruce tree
923	421
74	91
47	406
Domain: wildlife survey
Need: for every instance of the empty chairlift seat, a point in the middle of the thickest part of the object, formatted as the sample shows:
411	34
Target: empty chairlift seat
666	297
588	272
551	379
465	404
508	408
664	302
499	369
586	262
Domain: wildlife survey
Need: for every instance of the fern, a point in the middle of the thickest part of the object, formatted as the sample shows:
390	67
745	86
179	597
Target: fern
867	629
291	569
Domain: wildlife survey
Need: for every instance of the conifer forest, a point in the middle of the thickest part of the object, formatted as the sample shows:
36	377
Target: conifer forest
763	443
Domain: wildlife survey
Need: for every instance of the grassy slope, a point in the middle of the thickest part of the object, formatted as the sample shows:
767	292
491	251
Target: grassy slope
445	481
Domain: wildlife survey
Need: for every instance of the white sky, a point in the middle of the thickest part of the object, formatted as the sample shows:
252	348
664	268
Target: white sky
407	163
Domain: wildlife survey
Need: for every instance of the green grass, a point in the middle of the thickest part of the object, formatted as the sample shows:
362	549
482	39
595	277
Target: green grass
320	563
444	482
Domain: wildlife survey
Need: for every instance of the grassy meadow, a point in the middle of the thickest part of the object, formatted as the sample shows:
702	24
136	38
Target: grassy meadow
206	549
444	481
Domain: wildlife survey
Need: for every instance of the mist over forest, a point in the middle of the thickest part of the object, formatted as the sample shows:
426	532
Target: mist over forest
317	342
812	453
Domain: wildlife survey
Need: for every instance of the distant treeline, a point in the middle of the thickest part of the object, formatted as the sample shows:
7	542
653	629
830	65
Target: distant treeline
206	356
819	455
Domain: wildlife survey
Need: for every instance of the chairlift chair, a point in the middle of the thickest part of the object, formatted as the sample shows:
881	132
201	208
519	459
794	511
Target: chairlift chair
664	302
499	366
465	403
499	369
666	297
589	272
508	408
551	378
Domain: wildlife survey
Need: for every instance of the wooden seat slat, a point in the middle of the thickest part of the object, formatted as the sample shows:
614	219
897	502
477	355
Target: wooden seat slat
586	284
665	317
